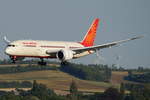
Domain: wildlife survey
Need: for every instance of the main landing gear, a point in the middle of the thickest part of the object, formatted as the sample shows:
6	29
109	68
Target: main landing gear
63	63
42	62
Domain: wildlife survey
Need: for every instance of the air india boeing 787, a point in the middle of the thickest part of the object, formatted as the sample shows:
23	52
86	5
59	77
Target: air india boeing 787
61	50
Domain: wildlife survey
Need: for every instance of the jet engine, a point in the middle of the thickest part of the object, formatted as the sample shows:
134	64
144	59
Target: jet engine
64	55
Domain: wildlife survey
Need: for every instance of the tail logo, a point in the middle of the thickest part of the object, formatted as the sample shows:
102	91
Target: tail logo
91	34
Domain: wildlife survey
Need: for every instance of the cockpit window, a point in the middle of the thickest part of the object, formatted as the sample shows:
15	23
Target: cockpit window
11	45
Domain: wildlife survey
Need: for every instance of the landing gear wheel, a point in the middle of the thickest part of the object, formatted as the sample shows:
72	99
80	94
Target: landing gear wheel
13	58
13	61
42	63
63	63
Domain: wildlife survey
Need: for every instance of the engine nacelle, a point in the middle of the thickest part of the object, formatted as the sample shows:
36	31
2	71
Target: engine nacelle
64	55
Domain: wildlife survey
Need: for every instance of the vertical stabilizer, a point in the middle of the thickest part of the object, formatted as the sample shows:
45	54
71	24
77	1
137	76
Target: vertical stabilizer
89	38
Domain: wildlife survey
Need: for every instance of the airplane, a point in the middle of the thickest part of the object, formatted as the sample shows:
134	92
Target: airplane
60	50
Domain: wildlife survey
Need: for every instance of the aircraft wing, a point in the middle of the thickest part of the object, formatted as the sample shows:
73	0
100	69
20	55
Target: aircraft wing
107	45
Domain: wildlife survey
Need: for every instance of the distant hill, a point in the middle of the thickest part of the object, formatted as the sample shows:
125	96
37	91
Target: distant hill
139	77
56	80
59	81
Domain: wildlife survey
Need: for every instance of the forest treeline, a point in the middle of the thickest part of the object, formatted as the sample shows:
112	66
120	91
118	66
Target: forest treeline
41	92
88	72
18	69
15	84
138	77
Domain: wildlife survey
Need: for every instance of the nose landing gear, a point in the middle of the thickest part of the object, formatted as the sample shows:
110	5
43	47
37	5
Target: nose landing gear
13	59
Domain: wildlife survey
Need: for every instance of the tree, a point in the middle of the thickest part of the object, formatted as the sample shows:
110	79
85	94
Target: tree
140	68
41	91
122	91
10	96
31	98
73	87
146	91
140	93
73	91
130	73
35	85
111	94
107	72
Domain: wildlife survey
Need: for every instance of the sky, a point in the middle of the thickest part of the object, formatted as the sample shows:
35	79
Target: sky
69	20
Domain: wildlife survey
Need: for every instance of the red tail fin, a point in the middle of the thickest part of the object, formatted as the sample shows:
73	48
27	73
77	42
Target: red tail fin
90	35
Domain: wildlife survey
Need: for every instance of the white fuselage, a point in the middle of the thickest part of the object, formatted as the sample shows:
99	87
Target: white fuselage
37	48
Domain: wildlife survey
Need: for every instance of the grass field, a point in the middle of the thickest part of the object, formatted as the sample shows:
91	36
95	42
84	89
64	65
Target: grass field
60	81
117	77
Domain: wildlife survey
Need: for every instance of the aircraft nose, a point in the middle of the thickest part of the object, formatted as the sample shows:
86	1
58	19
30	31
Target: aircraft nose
8	51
